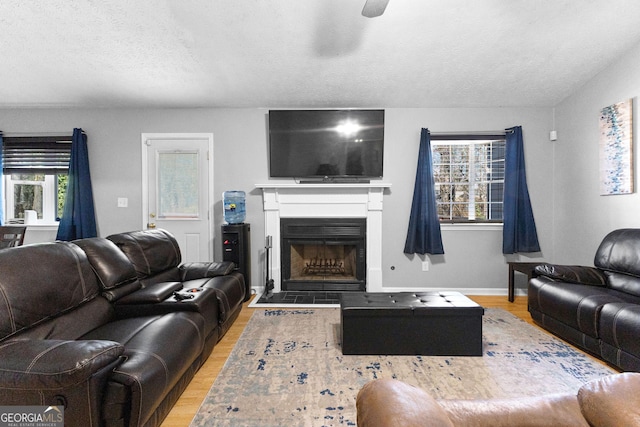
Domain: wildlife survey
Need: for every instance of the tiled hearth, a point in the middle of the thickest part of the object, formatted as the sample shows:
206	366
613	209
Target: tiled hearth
325	200
301	297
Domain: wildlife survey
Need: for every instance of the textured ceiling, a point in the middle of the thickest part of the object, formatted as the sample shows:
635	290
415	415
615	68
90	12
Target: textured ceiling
307	53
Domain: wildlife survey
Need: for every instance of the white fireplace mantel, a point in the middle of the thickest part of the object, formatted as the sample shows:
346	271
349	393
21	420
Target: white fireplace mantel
325	200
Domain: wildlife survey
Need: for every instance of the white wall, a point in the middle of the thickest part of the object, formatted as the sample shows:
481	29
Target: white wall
582	216
473	258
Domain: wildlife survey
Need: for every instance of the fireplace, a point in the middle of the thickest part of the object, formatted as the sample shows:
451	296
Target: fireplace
287	200
323	254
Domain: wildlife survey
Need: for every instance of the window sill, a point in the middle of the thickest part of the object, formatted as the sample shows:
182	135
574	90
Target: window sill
43	227
487	226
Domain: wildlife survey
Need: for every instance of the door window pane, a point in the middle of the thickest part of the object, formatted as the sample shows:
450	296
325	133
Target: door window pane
178	185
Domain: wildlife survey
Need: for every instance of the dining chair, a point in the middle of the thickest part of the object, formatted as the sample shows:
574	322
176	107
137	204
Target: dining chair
12	235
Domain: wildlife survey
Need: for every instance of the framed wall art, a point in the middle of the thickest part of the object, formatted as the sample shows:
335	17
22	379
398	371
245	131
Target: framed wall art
616	149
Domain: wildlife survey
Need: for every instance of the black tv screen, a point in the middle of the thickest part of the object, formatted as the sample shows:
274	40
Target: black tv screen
326	144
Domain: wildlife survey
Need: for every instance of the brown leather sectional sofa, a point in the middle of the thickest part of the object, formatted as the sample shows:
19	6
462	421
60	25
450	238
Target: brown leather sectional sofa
606	402
112	328
596	308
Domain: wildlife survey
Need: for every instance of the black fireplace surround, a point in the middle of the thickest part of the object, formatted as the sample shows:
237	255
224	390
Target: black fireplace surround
323	254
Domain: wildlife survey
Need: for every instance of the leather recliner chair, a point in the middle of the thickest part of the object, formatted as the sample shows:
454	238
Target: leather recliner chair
595	308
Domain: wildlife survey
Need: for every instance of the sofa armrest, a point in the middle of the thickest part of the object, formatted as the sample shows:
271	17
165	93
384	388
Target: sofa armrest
387	402
53	364
152	294
573	274
199	270
231	291
613	400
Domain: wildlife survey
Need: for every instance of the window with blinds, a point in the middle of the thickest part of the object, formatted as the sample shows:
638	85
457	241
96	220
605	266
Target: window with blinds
35	172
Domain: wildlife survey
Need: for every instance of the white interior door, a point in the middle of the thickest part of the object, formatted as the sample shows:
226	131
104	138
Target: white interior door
177	183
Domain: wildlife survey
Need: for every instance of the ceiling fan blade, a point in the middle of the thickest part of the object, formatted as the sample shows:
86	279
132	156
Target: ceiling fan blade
373	8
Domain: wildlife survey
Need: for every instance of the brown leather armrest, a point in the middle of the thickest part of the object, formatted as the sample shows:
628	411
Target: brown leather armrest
199	270
53	364
613	400
152	294
392	403
572	273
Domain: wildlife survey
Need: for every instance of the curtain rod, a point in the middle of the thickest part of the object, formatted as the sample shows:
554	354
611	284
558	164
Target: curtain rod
483	132
36	134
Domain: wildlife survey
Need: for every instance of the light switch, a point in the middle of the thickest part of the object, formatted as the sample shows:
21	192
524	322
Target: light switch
123	202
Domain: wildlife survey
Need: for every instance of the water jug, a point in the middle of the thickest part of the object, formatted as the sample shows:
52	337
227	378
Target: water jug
234	210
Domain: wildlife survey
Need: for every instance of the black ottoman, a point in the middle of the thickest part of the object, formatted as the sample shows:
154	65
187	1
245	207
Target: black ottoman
411	323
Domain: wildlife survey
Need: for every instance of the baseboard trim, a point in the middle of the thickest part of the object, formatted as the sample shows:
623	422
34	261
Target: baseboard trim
259	290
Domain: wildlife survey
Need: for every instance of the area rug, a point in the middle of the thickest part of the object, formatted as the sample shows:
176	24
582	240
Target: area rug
287	369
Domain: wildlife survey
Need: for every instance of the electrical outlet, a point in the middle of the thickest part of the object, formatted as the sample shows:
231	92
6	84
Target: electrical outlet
123	202
425	265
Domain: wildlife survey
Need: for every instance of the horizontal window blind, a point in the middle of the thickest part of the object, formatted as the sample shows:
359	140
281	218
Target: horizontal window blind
48	155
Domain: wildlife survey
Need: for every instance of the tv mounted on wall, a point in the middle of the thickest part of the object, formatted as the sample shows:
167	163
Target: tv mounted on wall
326	145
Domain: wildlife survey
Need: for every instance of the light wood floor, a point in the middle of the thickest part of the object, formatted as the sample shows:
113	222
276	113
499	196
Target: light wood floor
188	404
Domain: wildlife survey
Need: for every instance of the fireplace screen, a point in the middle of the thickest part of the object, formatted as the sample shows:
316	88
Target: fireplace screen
323	262
323	254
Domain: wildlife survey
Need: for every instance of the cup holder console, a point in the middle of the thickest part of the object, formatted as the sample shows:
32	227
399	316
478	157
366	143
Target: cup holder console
185	294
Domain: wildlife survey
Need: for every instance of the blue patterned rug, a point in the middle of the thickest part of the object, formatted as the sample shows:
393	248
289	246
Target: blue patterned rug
287	369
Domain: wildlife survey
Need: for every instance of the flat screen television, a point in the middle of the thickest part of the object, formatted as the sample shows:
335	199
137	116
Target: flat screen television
328	145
